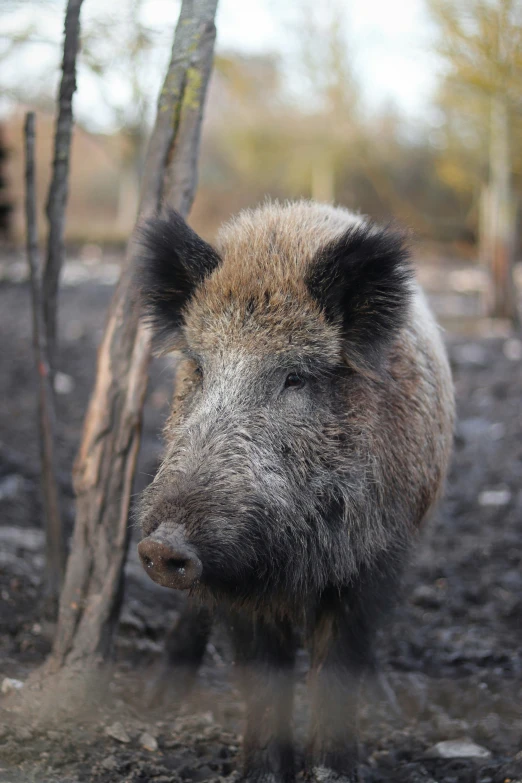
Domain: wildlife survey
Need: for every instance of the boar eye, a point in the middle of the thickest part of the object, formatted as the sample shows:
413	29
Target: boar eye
198	371
294	381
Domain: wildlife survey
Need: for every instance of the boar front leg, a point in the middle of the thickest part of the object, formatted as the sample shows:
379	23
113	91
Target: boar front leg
264	657
341	654
185	646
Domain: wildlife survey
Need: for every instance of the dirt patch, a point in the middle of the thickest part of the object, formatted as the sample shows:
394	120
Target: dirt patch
451	652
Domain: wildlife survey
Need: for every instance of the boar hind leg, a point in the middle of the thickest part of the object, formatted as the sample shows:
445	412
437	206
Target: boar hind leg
334	684
264	657
186	642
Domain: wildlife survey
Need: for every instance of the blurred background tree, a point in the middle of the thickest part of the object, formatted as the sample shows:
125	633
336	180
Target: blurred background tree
481	42
122	53
291	119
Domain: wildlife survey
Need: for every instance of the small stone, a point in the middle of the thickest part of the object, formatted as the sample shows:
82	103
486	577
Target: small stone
494	497
426	597
9	684
513	349
63	383
11	485
458	749
148	742
110	763
117	732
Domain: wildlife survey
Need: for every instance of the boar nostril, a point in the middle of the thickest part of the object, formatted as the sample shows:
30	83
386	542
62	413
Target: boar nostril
176	564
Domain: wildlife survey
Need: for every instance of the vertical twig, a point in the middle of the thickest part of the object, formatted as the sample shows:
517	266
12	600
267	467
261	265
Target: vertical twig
44	286
58	189
55	554
503	293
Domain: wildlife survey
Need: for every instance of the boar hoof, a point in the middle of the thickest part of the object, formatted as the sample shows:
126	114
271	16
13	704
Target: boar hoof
264	777
327	775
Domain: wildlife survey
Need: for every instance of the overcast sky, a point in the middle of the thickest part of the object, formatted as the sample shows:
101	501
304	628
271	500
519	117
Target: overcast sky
389	45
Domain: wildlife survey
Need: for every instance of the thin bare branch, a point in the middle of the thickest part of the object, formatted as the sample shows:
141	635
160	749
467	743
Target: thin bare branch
58	190
55	553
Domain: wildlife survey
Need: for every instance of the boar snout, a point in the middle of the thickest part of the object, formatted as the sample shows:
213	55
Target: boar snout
169	560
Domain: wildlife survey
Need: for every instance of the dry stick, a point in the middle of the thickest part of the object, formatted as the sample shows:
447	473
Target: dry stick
58	189
104	470
55	554
44	292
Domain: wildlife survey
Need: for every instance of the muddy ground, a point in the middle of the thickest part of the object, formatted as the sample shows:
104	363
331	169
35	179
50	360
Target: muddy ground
451	653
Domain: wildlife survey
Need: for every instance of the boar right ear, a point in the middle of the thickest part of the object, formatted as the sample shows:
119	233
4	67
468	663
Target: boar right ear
172	260
363	282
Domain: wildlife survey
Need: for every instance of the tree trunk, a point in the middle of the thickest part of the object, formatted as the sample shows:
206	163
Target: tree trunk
501	228
59	187
104	469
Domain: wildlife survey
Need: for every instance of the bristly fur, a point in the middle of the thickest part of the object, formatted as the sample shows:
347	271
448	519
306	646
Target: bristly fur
173	261
362	280
300	500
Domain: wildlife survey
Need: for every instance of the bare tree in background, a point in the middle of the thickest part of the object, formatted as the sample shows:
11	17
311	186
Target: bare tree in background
58	189
122	52
482	43
325	62
54	544
104	469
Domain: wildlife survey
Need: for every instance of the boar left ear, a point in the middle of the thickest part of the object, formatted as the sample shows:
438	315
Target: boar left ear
172	261
362	281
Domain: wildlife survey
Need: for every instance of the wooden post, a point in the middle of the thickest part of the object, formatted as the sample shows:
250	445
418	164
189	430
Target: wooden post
502	299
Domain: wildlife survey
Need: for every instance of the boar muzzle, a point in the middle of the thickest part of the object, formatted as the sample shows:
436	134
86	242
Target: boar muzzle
170	561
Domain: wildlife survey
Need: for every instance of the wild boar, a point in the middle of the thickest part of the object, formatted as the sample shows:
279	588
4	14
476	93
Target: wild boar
309	437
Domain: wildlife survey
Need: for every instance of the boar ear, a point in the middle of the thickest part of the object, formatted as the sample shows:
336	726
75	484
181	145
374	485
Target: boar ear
172	260
362	280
